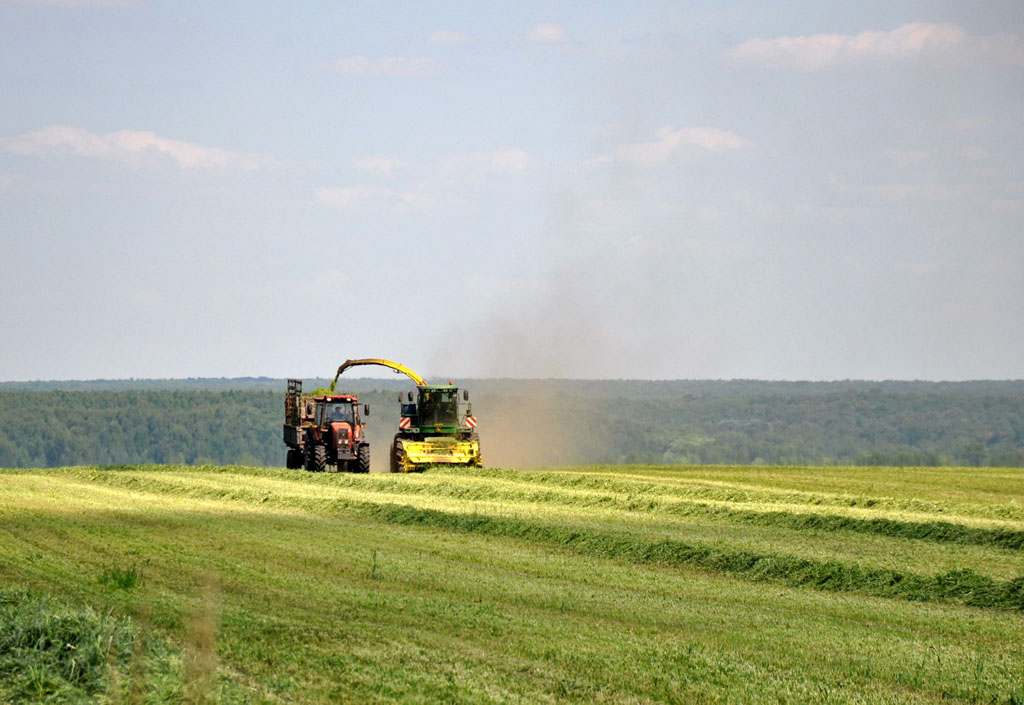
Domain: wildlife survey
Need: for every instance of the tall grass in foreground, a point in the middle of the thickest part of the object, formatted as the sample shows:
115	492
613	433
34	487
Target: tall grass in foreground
53	652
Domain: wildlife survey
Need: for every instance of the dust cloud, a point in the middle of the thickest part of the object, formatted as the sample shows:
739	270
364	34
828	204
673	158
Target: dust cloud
555	332
524	432
573	316
612	287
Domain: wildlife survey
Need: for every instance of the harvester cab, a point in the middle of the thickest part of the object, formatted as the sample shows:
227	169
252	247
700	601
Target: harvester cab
437	410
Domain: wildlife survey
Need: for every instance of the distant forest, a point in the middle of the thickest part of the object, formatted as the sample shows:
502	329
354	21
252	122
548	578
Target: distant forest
535	422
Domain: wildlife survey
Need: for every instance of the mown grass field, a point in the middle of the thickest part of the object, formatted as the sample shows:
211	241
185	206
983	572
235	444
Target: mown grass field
623	584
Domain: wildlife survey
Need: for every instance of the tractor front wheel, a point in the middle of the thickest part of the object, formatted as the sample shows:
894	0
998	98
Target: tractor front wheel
317	460
294	460
363	458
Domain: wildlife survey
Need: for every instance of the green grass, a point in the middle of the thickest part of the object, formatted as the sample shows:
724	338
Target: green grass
51	652
124	577
54	652
613	584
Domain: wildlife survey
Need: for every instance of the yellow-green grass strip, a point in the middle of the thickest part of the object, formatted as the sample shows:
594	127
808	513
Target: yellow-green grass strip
317	493
964	585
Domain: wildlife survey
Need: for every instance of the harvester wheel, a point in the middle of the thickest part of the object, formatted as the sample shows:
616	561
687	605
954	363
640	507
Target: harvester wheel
396	458
363	459
317	461
294	460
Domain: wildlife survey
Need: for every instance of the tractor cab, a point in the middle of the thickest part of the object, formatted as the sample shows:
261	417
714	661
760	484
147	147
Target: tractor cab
322	410
337	409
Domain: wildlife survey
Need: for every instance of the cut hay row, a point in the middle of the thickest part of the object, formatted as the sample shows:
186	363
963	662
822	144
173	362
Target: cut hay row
506	512
704	488
522	489
963	586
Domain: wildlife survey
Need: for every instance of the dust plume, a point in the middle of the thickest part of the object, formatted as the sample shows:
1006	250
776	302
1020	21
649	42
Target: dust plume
579	314
528	431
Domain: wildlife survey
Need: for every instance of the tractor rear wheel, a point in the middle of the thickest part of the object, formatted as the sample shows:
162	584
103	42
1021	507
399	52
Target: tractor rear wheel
317	461
363	458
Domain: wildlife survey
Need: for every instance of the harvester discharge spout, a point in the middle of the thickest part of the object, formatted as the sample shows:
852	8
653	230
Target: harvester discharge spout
377	361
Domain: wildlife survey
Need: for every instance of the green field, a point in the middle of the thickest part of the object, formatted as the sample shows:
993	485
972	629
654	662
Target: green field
624	584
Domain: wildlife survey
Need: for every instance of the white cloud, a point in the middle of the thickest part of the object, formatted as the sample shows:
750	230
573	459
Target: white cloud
590	164
354	197
924	268
378	165
147	297
708	214
131	147
385	66
670	141
506	160
904	158
962	192
546	33
944	43
73	3
321	285
974	153
998	196
970	124
445	36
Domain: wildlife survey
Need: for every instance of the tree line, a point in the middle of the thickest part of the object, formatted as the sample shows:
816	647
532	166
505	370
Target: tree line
537	422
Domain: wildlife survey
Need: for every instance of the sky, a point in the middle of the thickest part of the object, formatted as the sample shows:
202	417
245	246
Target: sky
666	190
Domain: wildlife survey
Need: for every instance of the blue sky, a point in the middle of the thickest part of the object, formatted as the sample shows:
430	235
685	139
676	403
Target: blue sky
666	190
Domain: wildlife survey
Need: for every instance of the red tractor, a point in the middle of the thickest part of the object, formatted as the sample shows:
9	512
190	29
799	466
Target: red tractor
324	431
